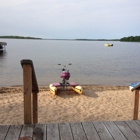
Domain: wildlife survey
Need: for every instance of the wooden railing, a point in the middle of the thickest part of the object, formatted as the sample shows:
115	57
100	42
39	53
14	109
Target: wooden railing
136	103
30	86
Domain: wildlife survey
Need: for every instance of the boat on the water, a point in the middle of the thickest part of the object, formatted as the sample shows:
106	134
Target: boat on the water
108	45
2	46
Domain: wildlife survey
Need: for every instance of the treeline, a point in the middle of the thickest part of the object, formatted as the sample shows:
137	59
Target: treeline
19	37
131	39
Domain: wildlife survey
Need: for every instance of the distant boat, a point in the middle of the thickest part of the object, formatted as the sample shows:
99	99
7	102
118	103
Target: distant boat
108	44
2	46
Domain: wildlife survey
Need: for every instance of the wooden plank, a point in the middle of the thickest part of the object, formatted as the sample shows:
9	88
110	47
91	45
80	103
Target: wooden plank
135	104
137	121
125	129
14	132
90	131
102	131
53	132
3	131
115	132
27	130
78	132
27	80
43	127
35	107
65	131
135	127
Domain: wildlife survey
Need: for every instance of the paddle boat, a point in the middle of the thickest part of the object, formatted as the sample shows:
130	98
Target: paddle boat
65	75
2	46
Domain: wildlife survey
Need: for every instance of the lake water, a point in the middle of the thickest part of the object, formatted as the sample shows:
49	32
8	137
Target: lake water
92	62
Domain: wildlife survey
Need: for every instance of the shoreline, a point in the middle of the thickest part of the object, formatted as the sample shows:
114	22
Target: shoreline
19	88
93	87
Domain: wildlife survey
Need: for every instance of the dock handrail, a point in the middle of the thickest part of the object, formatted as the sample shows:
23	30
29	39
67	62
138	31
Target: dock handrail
136	104
29	86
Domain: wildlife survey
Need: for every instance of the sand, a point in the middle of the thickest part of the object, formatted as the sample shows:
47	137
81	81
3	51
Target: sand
98	103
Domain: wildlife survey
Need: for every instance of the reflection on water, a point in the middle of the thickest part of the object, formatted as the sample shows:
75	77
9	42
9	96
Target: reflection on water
2	57
2	54
92	62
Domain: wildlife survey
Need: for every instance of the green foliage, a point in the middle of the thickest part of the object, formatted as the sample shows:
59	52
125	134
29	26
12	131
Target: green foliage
18	37
131	39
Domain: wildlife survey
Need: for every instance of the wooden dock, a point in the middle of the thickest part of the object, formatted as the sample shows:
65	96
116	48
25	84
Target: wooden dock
118	130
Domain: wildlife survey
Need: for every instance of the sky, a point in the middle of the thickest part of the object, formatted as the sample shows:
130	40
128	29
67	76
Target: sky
70	19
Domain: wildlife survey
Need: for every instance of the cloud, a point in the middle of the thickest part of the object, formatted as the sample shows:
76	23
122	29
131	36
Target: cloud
69	17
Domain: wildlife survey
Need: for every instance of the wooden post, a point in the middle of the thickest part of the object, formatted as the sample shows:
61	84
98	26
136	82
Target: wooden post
35	108
136	104
35	90
27	80
30	85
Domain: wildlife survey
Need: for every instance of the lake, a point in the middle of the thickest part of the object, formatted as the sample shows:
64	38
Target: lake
92	62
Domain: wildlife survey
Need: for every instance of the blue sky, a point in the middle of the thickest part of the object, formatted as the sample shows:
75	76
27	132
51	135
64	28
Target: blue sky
70	19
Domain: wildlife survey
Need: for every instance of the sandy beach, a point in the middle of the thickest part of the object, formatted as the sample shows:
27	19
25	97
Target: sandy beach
97	103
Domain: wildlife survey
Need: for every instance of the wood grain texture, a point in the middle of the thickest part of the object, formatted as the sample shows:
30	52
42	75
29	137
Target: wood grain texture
135	104
78	132
102	131
14	132
65	131
135	127
27	80
125	129
90	131
115	132
3	131
53	132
